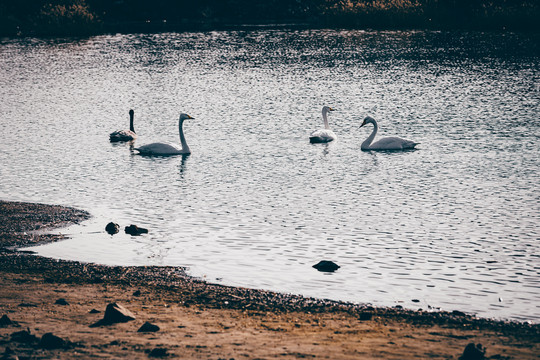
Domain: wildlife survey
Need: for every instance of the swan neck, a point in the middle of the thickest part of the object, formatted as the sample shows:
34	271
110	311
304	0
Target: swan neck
325	119
131	127
185	147
366	144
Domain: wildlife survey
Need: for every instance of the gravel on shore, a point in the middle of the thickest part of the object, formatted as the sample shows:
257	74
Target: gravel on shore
18	222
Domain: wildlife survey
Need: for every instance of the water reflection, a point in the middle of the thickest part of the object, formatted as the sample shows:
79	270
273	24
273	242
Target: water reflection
182	167
326	149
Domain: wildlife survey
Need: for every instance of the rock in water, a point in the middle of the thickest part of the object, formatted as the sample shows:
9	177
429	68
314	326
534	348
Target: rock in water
148	327
326	266
135	230
473	352
50	341
112	228
115	313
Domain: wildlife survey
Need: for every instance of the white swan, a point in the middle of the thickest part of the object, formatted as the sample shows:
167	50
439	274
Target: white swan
124	135
163	149
323	135
387	143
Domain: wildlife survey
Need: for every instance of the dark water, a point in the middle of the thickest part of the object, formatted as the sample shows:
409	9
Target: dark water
453	224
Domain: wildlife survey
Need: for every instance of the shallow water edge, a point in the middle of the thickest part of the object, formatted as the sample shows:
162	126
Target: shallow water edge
29	224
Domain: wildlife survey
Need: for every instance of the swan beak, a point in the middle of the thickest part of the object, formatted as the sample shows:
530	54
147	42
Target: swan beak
190	117
363	123
331	109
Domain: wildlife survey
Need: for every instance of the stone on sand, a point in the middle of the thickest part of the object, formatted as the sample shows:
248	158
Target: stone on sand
473	352
158	352
6	321
50	341
23	336
61	301
9	354
115	313
148	327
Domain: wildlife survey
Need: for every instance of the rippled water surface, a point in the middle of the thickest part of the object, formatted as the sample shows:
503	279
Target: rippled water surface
454	224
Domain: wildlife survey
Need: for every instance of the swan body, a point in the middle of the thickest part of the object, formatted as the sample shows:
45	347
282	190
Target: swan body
124	135
168	149
323	135
387	143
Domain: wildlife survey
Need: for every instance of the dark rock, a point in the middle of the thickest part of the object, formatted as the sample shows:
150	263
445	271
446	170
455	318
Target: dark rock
137	293
94	311
50	341
112	228
61	301
6	321
158	352
23	336
9	354
115	313
366	316
415	300
148	327
326	266
9	357
473	352
27	305
135	230
458	313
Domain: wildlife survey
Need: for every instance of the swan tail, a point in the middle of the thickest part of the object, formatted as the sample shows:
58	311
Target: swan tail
410	145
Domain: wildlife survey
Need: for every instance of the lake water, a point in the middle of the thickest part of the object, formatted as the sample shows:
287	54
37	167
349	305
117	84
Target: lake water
454	224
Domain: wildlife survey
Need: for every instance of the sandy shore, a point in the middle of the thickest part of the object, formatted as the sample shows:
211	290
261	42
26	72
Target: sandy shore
204	321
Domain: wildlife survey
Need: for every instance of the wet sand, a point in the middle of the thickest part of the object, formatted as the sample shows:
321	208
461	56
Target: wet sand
204	321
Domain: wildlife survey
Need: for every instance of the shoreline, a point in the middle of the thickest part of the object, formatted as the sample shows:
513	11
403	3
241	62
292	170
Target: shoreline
201	320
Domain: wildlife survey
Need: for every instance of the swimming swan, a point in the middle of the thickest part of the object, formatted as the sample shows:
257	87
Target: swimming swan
162	149
124	135
387	143
323	135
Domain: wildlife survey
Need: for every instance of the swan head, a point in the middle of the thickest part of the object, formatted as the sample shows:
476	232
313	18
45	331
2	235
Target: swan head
185	117
131	112
326	109
368	120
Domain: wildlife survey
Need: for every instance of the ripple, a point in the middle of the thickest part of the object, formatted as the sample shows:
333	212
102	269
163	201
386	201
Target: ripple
255	204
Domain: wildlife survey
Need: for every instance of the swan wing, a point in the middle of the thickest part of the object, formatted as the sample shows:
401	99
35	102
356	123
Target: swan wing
162	149
392	143
122	135
322	136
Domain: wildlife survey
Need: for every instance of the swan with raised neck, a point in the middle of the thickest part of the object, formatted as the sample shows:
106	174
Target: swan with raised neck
323	135
167	149
125	135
